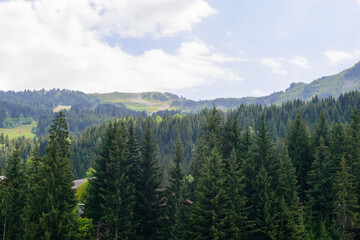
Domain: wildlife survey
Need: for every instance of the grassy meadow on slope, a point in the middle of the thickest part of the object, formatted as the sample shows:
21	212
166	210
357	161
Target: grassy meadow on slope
23	130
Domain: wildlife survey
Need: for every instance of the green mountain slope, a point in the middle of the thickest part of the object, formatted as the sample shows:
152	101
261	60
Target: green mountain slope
345	81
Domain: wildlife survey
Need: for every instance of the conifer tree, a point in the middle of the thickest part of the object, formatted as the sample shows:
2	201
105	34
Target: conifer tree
259	185
290	211
230	137
14	199
320	195
213	215
264	210
57	219
98	184
234	186
337	145
118	194
34	195
346	206
321	130
353	148
150	205
298	146
176	196
210	137
134	172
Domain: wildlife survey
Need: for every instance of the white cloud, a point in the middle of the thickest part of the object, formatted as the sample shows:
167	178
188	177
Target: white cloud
271	62
229	33
337	56
359	1
258	93
157	18
299	61
274	64
47	44
282	65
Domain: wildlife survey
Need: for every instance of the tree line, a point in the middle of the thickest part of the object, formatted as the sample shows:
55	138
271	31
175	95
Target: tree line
240	184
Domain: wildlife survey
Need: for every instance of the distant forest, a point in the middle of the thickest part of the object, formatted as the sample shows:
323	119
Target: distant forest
254	172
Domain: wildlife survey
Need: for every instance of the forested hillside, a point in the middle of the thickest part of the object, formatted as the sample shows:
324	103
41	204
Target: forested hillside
257	172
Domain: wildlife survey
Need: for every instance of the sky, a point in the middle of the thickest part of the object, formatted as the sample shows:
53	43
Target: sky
199	49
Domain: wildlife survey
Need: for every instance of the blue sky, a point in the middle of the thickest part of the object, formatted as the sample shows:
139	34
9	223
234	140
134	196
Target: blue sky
195	48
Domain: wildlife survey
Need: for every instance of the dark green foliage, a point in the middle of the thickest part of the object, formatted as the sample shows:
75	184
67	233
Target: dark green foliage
337	145
298	146
321	131
177	210
57	220
212	215
264	207
234	185
134	172
35	194
14	197
151	200
290	211
346	206
118	193
320	194
93	209
353	148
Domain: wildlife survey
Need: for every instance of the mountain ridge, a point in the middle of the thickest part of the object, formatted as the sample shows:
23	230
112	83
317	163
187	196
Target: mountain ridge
333	85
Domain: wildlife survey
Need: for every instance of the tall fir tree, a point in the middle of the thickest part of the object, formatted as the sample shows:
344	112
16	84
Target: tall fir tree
258	181
134	172
34	194
298	146
337	145
234	185
346	206
118	195
97	184
14	199
321	131
320	195
58	220
212	215
151	201
290	211
353	148
176	197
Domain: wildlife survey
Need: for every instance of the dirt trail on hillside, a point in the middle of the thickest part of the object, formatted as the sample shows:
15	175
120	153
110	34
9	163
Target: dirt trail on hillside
136	97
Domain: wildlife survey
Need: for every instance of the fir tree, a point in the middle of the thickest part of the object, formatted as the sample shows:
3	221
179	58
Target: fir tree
150	203
337	147
57	220
321	131
259	185
134	172
264	210
176	196
97	184
234	186
118	194
34	195
14	199
298	146
353	148
290	211
346	206
320	195
213	215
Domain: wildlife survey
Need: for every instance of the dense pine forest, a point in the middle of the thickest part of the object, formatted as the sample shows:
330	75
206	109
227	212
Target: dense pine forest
256	172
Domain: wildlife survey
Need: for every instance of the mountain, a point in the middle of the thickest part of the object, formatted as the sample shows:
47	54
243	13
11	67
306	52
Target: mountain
345	81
